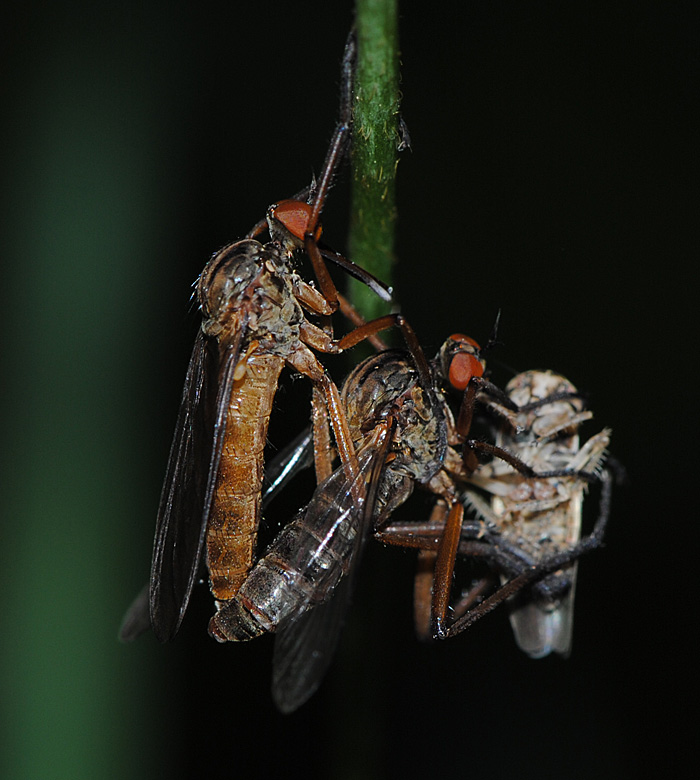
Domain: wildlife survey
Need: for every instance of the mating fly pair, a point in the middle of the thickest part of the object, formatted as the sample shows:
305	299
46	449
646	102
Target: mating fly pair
301	587
254	322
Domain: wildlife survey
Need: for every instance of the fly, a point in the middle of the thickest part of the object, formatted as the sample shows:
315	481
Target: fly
254	323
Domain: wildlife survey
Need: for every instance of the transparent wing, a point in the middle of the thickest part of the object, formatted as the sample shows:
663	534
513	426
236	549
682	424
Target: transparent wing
137	619
544	626
189	483
287	463
304	649
541	629
305	643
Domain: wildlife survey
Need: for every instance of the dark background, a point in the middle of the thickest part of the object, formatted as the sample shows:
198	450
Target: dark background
552	176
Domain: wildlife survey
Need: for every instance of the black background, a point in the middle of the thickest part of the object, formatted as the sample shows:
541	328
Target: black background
552	177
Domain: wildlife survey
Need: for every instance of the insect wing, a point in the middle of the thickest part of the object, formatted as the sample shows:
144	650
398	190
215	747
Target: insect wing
304	645
541	629
137	619
289	461
177	542
544	627
304	649
189	483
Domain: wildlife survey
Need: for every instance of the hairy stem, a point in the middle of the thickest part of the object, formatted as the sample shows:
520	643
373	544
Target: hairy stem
375	144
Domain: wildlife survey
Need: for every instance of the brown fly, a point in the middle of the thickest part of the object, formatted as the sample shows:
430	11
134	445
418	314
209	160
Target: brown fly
254	322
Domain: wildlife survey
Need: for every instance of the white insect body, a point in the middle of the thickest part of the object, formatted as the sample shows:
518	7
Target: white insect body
541	517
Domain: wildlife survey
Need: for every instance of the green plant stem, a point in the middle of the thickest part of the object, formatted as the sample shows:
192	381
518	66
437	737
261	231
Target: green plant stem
374	154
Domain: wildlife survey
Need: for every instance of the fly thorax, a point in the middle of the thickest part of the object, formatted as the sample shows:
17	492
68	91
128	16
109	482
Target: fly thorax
226	282
421	440
387	385
276	322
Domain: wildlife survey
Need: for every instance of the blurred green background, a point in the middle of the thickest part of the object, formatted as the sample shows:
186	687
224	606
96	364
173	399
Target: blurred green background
553	175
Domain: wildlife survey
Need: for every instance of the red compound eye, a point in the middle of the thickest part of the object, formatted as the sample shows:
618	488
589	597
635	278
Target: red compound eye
462	368
462	339
294	216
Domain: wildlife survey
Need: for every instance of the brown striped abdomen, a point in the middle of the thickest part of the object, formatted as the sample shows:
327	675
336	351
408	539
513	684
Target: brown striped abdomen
235	512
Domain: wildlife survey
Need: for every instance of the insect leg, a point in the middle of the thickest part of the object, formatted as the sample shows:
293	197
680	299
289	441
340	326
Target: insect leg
367	329
304	361
444	570
323	460
423	592
335	154
355	318
535	572
341	134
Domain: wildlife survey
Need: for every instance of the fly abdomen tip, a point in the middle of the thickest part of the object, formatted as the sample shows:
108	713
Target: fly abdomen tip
215	632
233	623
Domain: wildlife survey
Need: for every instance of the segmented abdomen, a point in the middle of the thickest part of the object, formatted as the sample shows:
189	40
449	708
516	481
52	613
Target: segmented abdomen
235	512
301	567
